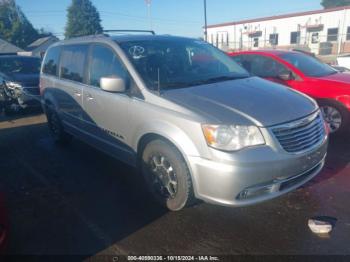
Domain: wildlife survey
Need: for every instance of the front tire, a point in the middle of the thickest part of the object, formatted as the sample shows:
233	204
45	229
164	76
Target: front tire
56	128
167	175
335	115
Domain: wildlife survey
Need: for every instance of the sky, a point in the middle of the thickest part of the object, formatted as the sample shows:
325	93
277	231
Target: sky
175	17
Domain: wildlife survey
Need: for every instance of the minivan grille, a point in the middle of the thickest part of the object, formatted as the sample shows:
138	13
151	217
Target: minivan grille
301	135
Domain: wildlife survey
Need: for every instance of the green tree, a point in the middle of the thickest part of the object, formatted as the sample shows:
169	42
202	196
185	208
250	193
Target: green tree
14	26
334	3
82	19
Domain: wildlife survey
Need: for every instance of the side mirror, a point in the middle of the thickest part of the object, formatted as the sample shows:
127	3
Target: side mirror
286	76
113	84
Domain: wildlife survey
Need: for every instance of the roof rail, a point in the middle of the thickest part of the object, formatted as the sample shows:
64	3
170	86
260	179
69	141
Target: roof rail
10	53
131	31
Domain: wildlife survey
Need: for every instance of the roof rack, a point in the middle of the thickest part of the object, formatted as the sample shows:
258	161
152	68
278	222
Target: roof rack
131	31
8	54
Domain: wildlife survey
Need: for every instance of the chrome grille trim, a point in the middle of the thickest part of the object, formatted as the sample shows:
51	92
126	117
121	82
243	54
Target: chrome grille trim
301	135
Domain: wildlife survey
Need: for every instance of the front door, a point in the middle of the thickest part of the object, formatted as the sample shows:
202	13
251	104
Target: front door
106	117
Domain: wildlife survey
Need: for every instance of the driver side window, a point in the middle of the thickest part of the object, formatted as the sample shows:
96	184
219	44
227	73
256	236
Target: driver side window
267	67
105	63
264	66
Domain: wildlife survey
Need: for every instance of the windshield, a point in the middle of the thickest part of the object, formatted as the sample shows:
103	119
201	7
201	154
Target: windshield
308	65
20	65
180	63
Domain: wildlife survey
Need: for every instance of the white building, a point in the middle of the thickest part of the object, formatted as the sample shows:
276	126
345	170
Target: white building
322	32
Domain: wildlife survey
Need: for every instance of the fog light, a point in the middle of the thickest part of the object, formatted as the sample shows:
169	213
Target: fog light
258	191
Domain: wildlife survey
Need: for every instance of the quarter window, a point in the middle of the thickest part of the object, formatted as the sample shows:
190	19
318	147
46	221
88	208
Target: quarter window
51	61
72	62
105	63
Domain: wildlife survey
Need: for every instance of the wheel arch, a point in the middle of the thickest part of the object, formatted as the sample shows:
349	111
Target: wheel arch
151	136
146	138
48	100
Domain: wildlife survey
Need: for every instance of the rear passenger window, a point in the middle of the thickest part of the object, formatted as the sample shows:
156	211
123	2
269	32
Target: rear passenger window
51	61
73	60
105	63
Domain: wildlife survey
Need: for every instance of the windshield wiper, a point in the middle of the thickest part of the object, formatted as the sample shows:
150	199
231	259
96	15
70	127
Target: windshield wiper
176	85
220	79
202	82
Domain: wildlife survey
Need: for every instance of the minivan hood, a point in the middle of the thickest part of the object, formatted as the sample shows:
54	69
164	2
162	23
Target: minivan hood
244	102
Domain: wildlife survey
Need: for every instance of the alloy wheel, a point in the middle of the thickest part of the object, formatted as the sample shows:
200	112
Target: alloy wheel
164	179
333	118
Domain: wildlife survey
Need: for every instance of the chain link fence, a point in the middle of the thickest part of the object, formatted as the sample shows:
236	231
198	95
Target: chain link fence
320	45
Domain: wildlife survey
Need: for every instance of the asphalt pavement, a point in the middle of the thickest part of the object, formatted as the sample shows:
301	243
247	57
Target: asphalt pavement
76	200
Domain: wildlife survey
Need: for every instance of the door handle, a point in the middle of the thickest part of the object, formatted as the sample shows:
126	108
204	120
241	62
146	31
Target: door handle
89	97
77	94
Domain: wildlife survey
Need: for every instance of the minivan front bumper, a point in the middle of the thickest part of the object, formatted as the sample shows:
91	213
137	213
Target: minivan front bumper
253	175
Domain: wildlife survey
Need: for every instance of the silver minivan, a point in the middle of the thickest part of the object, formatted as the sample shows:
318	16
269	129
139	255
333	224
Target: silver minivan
195	123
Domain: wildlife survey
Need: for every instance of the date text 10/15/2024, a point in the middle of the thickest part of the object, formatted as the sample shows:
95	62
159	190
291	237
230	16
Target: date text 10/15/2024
172	258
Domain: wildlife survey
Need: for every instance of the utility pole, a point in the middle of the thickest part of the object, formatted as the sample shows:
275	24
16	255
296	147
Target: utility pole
149	11
205	21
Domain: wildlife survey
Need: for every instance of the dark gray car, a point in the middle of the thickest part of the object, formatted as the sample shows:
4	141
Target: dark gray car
196	124
19	82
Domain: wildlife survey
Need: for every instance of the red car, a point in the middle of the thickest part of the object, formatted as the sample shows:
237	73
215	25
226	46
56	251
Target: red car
306	74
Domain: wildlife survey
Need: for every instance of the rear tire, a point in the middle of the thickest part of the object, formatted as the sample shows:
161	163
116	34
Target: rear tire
167	175
335	115
56	128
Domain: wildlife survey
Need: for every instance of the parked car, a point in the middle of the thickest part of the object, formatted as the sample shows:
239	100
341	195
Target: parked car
19	82
306	74
341	69
343	62
194	122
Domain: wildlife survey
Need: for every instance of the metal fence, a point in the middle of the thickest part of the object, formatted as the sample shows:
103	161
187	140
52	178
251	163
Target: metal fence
322	45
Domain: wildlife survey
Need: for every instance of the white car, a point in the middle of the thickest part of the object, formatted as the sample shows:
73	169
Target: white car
344	62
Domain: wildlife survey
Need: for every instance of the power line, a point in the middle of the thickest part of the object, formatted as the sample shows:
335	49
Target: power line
49	13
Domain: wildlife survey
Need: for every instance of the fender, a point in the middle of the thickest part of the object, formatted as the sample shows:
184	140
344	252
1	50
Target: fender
345	100
48	96
170	132
176	136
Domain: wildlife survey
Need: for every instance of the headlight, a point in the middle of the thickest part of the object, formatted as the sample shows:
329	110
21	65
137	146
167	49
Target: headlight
12	85
232	138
